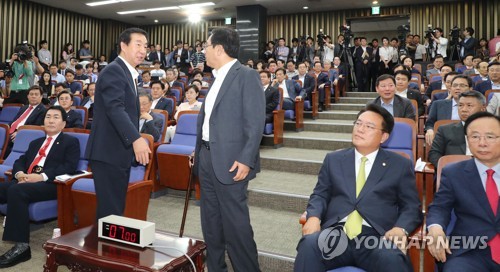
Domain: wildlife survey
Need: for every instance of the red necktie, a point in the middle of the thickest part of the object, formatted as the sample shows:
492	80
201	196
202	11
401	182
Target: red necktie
41	154
25	114
492	194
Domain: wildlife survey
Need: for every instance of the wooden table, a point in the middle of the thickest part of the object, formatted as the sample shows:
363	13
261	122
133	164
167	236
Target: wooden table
81	250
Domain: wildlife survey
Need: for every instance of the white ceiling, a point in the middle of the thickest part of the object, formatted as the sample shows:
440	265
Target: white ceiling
221	9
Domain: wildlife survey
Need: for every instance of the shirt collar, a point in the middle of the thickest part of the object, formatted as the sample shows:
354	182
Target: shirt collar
371	157
453	102
53	137
132	70
390	103
482	168
224	69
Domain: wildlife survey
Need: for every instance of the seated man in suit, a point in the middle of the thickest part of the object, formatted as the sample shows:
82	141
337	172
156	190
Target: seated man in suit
73	119
34	173
306	79
470	189
450	139
362	192
341	66
31	114
494	104
446	109
149	122
146	80
402	80
59	87
159	101
396	105
482	69
321	81
438	63
494	82
439	84
448	78
291	89
272	95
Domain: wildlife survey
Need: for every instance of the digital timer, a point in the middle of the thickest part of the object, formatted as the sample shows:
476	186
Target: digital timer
127	230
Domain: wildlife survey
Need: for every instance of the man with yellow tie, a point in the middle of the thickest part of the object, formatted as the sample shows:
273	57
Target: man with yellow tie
362	193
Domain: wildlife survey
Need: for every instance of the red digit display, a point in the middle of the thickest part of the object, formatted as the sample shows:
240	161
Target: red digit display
122	233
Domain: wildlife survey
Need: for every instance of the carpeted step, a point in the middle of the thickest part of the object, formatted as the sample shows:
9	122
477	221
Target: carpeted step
317	140
355	100
347	107
292	160
361	94
328	125
338	115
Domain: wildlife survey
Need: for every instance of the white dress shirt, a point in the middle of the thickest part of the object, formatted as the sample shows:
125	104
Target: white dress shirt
133	72
220	75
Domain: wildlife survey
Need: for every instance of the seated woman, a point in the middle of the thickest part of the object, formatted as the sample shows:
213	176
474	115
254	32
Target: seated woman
74	119
192	103
199	76
408	61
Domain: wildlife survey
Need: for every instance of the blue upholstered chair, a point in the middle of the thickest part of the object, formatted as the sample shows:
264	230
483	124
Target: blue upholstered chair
164	116
9	111
77	99
4	140
403	137
77	200
174	157
435	78
489	94
83	113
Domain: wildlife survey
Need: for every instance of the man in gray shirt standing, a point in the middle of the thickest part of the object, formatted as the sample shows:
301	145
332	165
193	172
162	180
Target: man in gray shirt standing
44	55
85	54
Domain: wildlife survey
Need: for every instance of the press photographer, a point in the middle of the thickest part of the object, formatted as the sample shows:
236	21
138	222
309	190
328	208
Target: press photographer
437	43
325	46
22	69
468	44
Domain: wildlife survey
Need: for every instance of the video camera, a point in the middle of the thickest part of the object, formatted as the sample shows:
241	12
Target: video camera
455	34
429	33
23	51
321	38
346	31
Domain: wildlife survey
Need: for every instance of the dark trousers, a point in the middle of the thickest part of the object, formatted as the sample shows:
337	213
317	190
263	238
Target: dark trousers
269	117
18	196
288	104
111	183
321	94
225	220
473	260
310	258
19	96
362	76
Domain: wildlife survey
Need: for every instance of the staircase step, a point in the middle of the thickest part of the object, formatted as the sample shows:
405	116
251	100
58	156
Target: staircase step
317	140
355	100
292	160
362	94
328	125
349	115
347	107
269	226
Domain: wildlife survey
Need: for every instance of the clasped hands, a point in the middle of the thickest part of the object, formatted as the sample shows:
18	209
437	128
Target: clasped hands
28	178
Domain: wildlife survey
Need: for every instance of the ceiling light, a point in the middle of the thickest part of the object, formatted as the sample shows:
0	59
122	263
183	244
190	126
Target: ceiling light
146	10
375	2
156	21
100	3
305	7
197	5
194	17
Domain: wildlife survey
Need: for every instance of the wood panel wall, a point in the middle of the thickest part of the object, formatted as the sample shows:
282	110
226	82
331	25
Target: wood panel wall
482	15
27	21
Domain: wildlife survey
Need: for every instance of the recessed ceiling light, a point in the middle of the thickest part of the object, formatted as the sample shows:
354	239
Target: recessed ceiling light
194	17
145	10
100	3
156	21
375	2
197	5
305	7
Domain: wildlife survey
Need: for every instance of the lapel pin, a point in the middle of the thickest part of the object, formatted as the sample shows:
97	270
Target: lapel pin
383	164
57	142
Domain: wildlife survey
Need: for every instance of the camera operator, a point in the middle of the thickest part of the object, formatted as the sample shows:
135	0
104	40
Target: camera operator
339	46
420	52
329	48
23	70
468	44
439	43
410	46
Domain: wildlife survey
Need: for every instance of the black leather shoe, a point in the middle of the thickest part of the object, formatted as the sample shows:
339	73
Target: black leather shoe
320	108
14	256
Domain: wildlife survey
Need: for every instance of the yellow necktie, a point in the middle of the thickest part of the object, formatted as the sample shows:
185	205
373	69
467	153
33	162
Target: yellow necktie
354	221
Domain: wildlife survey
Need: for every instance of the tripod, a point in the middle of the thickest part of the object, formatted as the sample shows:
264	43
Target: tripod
346	58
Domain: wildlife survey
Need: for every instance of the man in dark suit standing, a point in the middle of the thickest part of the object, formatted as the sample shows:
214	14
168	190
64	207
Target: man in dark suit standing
115	140
229	132
363	58
350	201
34	173
180	56
468	44
272	95
157	55
470	189
450	139
494	82
396	105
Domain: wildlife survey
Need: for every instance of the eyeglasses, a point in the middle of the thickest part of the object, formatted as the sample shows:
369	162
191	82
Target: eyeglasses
487	138
460	85
368	126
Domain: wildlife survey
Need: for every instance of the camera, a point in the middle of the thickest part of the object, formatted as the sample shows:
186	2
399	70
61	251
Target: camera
403	30
321	38
455	34
429	33
346	31
23	52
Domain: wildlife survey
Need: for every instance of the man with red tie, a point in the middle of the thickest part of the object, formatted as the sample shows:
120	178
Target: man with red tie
34	173
471	189
31	114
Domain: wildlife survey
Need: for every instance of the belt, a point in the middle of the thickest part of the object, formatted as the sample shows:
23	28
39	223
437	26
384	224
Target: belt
206	144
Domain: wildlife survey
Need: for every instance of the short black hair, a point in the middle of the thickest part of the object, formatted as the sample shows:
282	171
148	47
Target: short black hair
78	67
157	82
479	115
60	84
282	70
468	79
439	29
438	56
69	71
448	65
197	72
53	65
479	96
493	64
452	73
146	94
404	73
156	62
194	87
266	72
42	42
146	72
125	36
65	92
388	119
64	115
228	38
35	87
470	30
384	77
